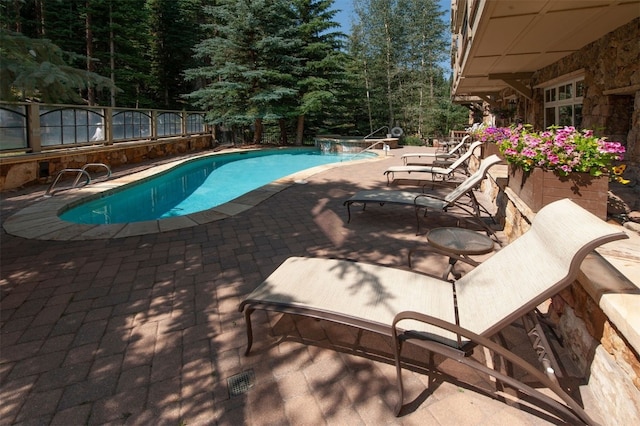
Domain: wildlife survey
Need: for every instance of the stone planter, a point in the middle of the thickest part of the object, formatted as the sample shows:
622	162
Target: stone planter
539	187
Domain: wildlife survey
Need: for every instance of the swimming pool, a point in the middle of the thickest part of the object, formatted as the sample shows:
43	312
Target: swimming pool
197	185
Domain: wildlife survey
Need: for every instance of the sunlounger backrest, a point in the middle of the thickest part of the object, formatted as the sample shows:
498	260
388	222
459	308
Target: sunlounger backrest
474	180
532	268
464	157
458	145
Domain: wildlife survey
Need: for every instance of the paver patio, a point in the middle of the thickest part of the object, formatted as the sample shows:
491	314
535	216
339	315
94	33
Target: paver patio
146	329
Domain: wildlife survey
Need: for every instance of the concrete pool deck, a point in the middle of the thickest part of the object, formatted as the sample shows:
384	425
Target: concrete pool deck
144	329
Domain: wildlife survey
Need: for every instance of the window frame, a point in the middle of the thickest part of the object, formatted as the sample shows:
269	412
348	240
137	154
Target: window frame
551	97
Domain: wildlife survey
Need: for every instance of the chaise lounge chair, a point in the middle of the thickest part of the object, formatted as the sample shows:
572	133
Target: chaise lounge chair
443	318
437	156
431	201
442	172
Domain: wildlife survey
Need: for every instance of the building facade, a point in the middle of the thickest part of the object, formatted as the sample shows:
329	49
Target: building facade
557	62
551	63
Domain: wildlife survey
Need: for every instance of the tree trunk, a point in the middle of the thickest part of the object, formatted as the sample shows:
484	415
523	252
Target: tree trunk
17	24
91	95
366	84
257	132
421	94
40	18
389	74
283	131
300	129
112	57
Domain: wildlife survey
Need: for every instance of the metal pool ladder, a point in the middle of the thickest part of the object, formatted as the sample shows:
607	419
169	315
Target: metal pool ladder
80	173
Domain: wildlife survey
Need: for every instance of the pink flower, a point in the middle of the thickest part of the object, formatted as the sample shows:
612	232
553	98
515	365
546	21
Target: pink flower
564	149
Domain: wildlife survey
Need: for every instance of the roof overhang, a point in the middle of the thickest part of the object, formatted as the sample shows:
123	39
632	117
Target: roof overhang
511	39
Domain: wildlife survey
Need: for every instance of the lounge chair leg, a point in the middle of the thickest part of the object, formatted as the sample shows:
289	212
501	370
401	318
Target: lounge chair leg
541	346
397	347
247	317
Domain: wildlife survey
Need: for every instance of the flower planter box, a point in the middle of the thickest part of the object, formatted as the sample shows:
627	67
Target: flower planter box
539	187
490	148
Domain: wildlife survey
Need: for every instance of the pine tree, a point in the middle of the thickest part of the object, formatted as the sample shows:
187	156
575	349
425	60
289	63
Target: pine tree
121	47
322	63
37	69
174	31
249	57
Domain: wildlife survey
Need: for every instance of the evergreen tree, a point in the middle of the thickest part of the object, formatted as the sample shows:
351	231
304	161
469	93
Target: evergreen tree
121	46
322	62
174	31
37	69
250	63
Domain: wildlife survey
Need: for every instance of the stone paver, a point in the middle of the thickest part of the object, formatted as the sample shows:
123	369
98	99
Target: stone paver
145	329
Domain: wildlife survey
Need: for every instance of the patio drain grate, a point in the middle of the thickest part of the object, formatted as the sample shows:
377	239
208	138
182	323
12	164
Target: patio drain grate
241	383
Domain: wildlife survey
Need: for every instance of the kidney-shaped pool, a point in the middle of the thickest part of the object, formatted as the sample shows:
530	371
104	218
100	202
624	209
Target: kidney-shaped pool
198	185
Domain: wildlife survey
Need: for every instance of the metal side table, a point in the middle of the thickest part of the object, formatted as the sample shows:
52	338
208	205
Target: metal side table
458	244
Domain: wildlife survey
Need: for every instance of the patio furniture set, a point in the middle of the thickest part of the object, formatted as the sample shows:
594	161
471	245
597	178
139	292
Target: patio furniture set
443	316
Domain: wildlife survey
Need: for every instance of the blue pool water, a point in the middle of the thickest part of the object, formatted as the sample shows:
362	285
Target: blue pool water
198	185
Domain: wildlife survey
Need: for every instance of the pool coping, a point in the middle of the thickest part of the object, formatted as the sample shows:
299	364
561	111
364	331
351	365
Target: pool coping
40	221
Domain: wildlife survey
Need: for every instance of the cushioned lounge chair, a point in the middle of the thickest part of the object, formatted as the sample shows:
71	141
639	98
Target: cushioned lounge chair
445	318
437	156
457	197
441	172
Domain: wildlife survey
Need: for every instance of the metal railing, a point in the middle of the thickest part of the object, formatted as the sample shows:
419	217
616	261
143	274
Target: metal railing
81	172
376	131
29	127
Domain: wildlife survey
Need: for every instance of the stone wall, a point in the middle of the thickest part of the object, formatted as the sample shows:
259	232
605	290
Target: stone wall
611	102
596	346
42	167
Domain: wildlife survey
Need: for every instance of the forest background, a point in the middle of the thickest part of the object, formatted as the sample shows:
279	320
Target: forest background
276	66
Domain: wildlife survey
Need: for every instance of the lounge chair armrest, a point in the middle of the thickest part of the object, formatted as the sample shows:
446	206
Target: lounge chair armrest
427	319
476	339
431	196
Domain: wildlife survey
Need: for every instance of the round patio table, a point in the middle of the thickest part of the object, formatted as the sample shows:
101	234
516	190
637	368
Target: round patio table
458	244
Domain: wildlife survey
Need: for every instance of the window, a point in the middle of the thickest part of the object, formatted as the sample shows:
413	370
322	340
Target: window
195	123
563	103
13	127
131	124
169	124
70	126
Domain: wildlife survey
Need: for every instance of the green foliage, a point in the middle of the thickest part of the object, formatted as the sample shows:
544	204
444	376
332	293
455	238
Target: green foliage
398	46
250	63
246	62
38	69
120	36
174	29
143	46
272	60
321	71
412	141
